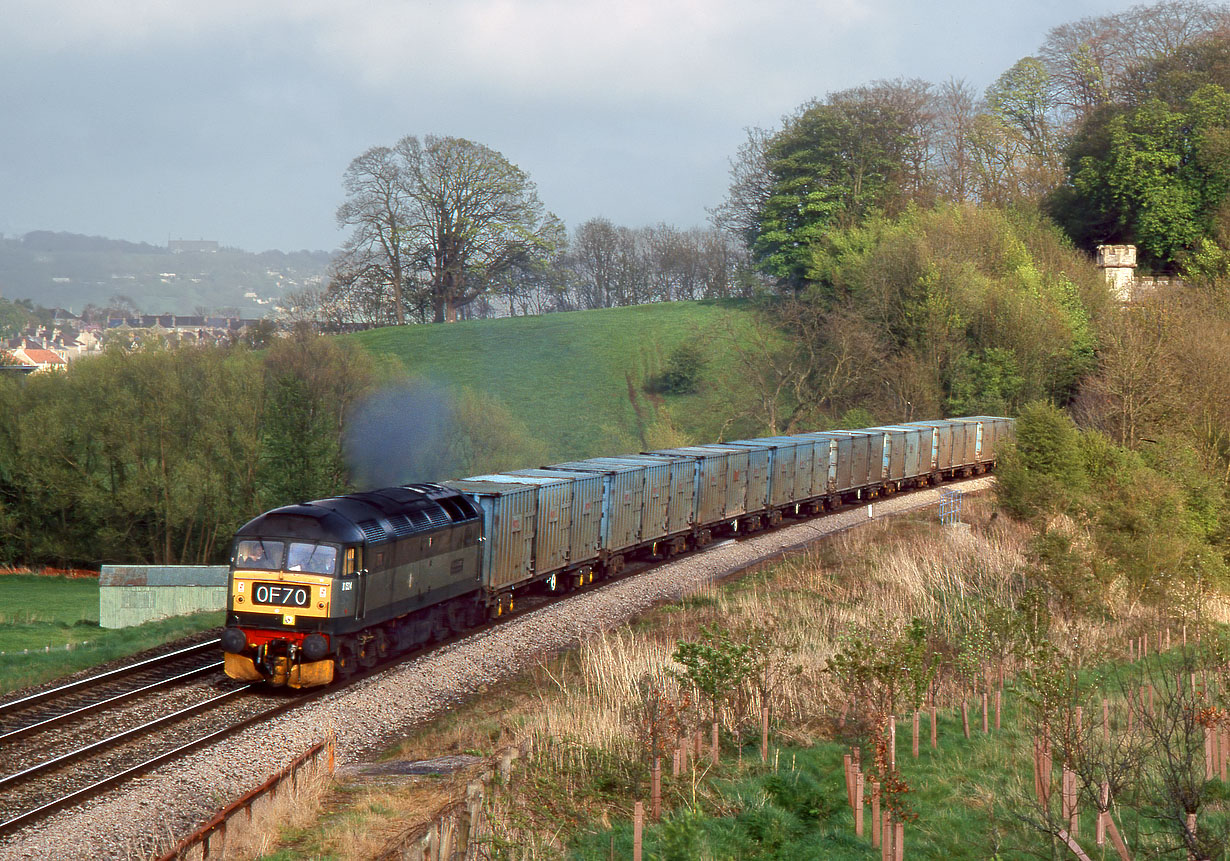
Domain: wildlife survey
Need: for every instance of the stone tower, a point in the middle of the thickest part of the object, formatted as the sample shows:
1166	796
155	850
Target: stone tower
1119	264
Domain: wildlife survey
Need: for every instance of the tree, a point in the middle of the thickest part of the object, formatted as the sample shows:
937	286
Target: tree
475	215
1155	175
862	150
1096	62
444	217
311	383
956	108
378	209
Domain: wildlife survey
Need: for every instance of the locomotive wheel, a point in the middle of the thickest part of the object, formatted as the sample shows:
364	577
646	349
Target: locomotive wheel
345	661
367	655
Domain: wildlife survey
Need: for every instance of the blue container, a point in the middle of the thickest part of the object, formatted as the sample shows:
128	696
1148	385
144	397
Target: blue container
585	523
508	511
623	495
553	519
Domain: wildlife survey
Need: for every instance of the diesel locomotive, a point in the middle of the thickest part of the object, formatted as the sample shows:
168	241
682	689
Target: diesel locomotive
322	588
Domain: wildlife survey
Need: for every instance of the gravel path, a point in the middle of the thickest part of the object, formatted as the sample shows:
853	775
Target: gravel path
153	811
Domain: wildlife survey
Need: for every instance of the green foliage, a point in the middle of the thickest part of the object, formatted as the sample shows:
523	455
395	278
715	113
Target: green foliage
716	664
885	668
964	310
682	374
1044	472
1152	172
831	166
1153	520
157	455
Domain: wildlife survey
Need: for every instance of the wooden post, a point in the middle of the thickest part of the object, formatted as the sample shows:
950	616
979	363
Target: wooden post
1103	813
986	726
1151	699
1208	753
858	804
1116	839
934	732
848	761
1132	650
713	754
965	716
999	696
886	838
898	841
638	828
892	742
914	747
1223	752
764	734
875	814
655	790
1037	768
1069	806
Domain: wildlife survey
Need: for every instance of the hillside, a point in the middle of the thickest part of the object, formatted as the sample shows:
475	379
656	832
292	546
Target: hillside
71	271
576	379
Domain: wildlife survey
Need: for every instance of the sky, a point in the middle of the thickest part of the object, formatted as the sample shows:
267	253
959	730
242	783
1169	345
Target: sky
234	120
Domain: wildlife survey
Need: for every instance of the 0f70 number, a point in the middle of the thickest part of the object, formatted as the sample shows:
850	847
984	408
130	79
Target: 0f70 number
280	594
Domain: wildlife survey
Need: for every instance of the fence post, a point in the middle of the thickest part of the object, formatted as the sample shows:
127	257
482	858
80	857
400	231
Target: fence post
638	826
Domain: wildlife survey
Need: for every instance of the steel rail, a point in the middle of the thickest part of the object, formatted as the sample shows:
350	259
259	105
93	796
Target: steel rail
102	704
118	672
107	782
55	762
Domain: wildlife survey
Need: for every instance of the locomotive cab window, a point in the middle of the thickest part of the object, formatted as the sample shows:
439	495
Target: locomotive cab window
316	558
261	554
353	561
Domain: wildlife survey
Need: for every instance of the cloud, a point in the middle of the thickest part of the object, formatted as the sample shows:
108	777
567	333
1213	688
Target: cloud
637	49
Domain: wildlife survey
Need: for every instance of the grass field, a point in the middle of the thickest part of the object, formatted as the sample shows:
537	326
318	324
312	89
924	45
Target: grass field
575	379
49	628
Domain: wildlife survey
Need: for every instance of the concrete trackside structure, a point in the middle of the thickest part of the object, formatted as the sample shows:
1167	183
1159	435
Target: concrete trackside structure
133	594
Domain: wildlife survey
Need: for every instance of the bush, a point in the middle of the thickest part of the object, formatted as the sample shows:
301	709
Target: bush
682	373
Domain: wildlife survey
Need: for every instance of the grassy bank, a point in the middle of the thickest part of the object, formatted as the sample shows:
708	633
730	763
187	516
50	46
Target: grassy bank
49	628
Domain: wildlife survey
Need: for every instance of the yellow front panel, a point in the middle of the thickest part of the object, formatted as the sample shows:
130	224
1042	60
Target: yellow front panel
247	585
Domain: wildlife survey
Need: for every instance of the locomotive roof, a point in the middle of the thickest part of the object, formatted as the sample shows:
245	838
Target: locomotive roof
372	516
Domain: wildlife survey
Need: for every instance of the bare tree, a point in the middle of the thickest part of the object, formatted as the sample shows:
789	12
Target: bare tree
956	108
1091	61
379	211
445	214
751	183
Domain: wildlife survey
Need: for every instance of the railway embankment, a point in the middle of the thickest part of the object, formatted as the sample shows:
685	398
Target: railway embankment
368	717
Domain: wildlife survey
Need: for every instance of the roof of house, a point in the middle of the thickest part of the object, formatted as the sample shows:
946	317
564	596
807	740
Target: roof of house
43	357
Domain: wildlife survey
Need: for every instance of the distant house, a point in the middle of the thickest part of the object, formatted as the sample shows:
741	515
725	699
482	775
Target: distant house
193	246
43	360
